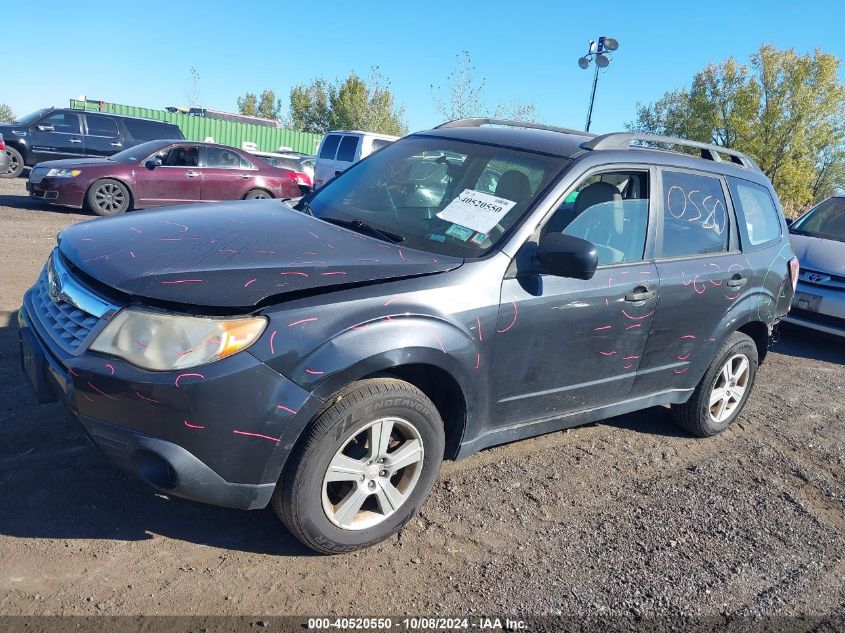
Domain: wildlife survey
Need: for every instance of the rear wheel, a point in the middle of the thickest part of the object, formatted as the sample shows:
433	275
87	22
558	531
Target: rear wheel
257	194
16	163
363	468
724	389
108	197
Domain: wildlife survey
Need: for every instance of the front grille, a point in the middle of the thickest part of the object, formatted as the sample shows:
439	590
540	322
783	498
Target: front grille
66	324
818	278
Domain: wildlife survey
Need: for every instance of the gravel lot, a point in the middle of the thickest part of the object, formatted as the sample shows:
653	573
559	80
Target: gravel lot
630	516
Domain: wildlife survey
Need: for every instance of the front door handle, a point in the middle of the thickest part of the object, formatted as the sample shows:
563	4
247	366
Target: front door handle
737	281
245	176
191	174
75	140
116	144
640	293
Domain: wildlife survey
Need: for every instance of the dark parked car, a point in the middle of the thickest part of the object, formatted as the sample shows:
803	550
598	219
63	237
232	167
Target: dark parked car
159	173
51	134
5	161
327	360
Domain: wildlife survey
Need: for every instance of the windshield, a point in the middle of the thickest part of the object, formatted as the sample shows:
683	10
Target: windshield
138	152
439	195
827	220
30	118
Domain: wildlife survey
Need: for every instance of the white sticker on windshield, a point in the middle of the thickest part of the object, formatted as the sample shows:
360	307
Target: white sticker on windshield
476	210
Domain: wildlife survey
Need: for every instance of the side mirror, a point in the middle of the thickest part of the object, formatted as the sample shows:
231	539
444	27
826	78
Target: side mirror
152	163
568	256
46	128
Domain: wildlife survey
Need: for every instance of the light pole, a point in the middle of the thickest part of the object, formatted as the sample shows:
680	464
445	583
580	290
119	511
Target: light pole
598	53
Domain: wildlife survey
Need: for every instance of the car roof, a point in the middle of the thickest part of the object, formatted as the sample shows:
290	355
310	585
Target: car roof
610	148
387	137
120	116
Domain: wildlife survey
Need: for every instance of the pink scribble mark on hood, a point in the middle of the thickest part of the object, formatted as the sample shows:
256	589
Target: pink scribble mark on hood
272	338
181	376
284	408
308	320
314	372
181	281
249	283
192	426
295	273
100	391
143	397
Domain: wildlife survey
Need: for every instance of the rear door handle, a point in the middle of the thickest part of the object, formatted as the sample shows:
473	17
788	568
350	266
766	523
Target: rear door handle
640	293
75	140
191	174
116	144
737	281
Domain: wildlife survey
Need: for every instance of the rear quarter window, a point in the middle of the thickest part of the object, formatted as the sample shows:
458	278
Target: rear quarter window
759	220
141	130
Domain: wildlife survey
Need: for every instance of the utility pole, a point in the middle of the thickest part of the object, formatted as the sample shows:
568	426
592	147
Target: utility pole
599	54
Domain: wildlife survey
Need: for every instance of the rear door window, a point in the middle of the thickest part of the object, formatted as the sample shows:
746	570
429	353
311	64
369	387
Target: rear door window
346	152
695	217
101	126
329	148
759	221
221	158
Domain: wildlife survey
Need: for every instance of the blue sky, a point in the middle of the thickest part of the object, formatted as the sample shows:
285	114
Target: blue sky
140	53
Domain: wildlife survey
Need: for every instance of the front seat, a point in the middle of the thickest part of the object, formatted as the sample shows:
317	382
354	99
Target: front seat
513	185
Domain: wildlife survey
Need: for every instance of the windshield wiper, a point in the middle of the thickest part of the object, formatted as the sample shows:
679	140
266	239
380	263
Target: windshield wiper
361	226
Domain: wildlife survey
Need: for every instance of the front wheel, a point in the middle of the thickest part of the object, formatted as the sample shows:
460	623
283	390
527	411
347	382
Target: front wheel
724	389
16	163
108	197
364	467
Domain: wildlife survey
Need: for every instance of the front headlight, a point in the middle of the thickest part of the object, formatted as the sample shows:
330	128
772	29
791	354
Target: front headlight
63	173
164	341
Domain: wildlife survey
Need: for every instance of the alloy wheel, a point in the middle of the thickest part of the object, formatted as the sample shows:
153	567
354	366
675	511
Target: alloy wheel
109	198
373	474
729	387
13	163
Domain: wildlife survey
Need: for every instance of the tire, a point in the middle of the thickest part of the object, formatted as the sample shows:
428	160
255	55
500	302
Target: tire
312	507
108	197
16	163
257	194
725	377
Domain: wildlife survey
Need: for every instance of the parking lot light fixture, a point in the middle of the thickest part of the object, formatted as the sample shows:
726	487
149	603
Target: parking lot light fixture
598	53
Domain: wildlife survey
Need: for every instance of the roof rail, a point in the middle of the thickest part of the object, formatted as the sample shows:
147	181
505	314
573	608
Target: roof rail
478	122
623	140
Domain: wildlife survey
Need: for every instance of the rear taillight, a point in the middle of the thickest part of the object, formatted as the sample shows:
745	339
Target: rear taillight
303	179
793	272
2	145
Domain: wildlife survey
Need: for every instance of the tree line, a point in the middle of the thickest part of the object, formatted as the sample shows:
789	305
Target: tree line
785	110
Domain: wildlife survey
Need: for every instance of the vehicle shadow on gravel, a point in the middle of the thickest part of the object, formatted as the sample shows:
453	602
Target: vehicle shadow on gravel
55	485
654	421
25	202
806	343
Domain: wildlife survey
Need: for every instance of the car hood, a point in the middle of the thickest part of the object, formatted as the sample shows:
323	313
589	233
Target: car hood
74	162
234	255
815	253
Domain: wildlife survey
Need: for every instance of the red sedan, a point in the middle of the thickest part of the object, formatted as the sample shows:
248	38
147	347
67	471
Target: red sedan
159	173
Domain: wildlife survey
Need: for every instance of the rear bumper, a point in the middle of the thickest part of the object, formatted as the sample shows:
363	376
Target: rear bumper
67	192
186	438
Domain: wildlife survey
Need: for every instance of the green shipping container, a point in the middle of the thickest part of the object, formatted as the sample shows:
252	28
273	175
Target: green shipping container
196	128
